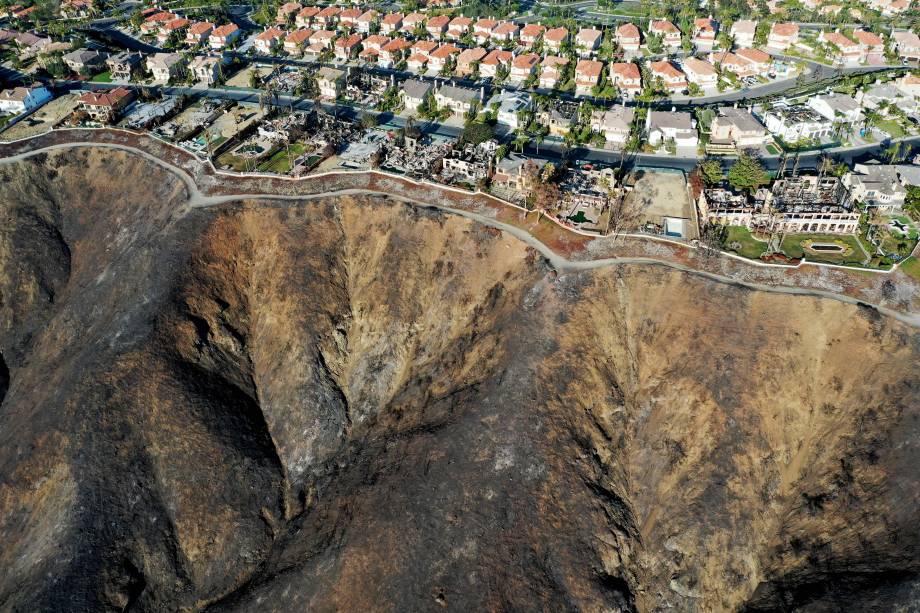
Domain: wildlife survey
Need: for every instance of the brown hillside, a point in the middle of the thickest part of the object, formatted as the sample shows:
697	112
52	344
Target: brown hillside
356	405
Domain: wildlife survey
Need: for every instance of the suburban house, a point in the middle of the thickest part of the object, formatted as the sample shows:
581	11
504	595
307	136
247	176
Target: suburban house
551	70
460	100
880	95
700	72
456	28
670	35
493	61
734	129
506	31
509	172
523	66
391	23
844	49
909	85
704	33
123	66
165	66
837	108
876	185
375	42
348	19
782	36
531	33
436	26
615	124
587	41
347	47
795	123
468	60
438	58
305	16
329	82
22	99
206	69
84	60
743	32
424	47
587	75
664	127
482	29
297	40
671	77
172	30
626	77
392	52
554	38
328	16
758	61
224	35
367	20
628	37
907	44
414	94
322	38
412	21
287	12
417	63
76	9
107	105
198	33
871	46
559	117
731	62
510	106
155	21
269	40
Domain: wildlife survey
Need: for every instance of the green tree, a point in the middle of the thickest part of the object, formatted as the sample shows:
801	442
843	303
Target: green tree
476	132
747	173
711	171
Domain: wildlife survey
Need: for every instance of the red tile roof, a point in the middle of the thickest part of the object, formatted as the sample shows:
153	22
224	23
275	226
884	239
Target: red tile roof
109	97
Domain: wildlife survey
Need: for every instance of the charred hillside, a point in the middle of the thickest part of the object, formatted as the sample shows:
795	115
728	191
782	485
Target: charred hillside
353	404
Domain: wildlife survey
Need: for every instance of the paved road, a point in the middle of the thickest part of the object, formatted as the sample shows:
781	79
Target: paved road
560	263
548	150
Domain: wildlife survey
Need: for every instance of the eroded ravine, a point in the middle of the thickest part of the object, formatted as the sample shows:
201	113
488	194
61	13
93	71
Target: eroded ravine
349	403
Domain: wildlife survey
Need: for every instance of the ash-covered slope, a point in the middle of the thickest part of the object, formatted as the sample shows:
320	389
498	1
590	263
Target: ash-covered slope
357	405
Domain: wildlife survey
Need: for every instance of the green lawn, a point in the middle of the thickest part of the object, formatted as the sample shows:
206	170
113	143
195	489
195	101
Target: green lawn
748	246
911	266
792	247
281	162
102	77
892	127
772	150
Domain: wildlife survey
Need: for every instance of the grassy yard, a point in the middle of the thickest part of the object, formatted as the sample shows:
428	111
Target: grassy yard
792	246
911	266
747	246
892	127
281	161
102	77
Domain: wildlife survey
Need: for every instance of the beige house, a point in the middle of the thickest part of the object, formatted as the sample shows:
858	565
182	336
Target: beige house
165	66
734	129
330	82
206	69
